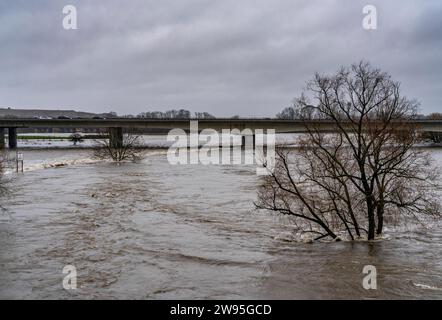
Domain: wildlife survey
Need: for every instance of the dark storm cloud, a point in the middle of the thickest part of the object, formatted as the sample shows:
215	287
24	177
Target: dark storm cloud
225	57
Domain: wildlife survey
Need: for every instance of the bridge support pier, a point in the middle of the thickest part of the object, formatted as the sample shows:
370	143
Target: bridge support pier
12	138
2	138
116	137
248	141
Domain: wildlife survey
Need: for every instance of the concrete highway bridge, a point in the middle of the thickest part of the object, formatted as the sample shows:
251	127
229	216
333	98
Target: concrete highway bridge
116	125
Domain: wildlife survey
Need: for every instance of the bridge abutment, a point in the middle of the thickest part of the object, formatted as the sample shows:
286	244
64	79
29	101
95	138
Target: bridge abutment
12	138
2	138
116	137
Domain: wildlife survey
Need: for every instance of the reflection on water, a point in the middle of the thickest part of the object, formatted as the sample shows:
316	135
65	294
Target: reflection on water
152	230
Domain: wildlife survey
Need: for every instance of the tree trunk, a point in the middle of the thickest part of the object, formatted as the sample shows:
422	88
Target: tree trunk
380	215
371	219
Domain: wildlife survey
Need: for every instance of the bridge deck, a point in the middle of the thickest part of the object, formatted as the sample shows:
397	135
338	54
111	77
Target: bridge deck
216	124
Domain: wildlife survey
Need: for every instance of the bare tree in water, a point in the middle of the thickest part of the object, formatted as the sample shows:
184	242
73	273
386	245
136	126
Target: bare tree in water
118	146
365	172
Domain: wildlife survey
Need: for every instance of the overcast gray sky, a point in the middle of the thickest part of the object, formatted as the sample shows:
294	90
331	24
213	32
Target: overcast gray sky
226	57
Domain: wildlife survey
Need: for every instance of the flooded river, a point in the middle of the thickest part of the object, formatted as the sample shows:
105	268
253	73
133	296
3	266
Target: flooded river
151	230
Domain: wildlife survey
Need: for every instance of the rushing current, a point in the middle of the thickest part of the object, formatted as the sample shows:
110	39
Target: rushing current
151	230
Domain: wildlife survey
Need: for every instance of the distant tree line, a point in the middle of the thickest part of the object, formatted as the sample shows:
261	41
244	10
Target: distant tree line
309	111
172	114
291	113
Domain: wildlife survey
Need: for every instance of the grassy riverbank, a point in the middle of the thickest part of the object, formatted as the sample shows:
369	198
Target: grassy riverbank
36	137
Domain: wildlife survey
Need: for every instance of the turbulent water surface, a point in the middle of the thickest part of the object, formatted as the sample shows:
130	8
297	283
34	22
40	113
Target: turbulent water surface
153	230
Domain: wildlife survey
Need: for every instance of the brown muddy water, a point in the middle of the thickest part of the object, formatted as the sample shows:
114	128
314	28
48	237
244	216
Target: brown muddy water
156	231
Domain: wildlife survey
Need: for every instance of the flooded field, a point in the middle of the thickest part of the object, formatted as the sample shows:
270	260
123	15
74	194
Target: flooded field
151	230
